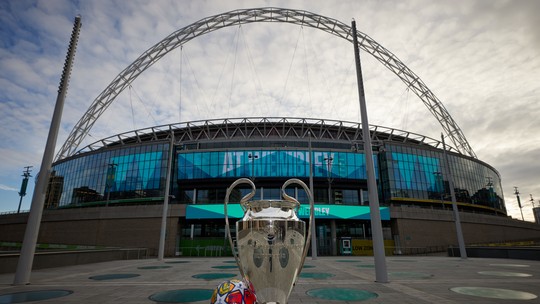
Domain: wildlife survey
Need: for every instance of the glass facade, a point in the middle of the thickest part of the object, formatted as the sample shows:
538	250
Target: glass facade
270	163
137	173
134	173
421	174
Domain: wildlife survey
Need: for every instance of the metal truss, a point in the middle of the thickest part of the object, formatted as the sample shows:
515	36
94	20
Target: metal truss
268	14
263	128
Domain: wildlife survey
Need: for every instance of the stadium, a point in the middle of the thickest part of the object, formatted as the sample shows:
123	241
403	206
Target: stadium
112	192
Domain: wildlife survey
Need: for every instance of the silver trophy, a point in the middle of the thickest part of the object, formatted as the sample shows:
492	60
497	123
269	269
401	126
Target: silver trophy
271	242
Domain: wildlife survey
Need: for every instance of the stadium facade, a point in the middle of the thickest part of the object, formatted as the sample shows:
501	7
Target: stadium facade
110	193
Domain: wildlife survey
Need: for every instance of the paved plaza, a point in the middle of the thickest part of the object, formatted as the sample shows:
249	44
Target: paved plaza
426	279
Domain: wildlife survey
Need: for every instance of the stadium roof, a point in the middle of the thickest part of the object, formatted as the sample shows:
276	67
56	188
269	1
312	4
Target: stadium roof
265	128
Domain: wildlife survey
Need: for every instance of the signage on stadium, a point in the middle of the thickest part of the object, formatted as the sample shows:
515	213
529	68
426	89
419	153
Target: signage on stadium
271	163
321	212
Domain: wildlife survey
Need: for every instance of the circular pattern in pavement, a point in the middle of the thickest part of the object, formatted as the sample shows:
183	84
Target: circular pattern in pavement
341	294
510	265
35	295
405	261
494	293
114	276
505	274
225	267
154	267
316	275
176	262
213	276
182	296
410	275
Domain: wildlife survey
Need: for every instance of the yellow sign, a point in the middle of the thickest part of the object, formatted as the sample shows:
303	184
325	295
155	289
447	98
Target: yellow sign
365	247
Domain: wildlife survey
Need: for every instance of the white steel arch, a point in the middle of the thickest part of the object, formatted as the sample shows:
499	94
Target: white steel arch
267	14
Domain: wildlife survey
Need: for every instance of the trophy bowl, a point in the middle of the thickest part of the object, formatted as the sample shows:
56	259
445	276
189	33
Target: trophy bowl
271	243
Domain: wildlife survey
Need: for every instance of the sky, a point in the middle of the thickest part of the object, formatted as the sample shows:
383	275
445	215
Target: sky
481	58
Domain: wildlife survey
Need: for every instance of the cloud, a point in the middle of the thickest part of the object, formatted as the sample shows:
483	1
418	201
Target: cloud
7	188
480	58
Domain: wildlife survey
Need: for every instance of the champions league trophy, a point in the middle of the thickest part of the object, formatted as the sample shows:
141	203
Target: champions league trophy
271	242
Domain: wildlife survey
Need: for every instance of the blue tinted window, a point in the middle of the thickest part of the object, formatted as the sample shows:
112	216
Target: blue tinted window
111	175
273	163
420	174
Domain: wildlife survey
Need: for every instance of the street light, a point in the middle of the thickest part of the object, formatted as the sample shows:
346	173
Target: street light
253	157
328	161
22	193
491	194
110	178
439	186
516	192
313	225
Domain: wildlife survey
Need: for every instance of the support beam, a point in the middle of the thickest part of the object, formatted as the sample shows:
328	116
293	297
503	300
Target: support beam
26	259
381	274
163	231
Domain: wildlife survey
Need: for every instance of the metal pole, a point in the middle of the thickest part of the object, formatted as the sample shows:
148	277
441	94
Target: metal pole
163	232
516	192
329	177
459	232
313	226
381	274
108	195
111	175
20	203
22	193
26	259
440	186
253	157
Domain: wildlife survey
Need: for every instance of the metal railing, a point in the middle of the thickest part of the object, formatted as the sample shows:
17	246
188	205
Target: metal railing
205	251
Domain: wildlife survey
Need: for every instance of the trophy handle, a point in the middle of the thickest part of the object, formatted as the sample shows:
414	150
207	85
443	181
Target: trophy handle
244	204
311	213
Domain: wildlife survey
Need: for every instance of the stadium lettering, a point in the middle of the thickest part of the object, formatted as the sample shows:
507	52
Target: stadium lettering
304	211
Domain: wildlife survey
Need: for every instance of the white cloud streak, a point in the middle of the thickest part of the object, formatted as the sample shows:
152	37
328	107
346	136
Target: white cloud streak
7	188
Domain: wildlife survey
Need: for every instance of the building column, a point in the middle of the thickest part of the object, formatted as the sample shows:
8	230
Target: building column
333	233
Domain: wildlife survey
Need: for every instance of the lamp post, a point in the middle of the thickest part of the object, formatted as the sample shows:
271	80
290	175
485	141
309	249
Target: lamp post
439	186
328	161
111	172
253	157
516	192
313	225
332	222
491	195
22	193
